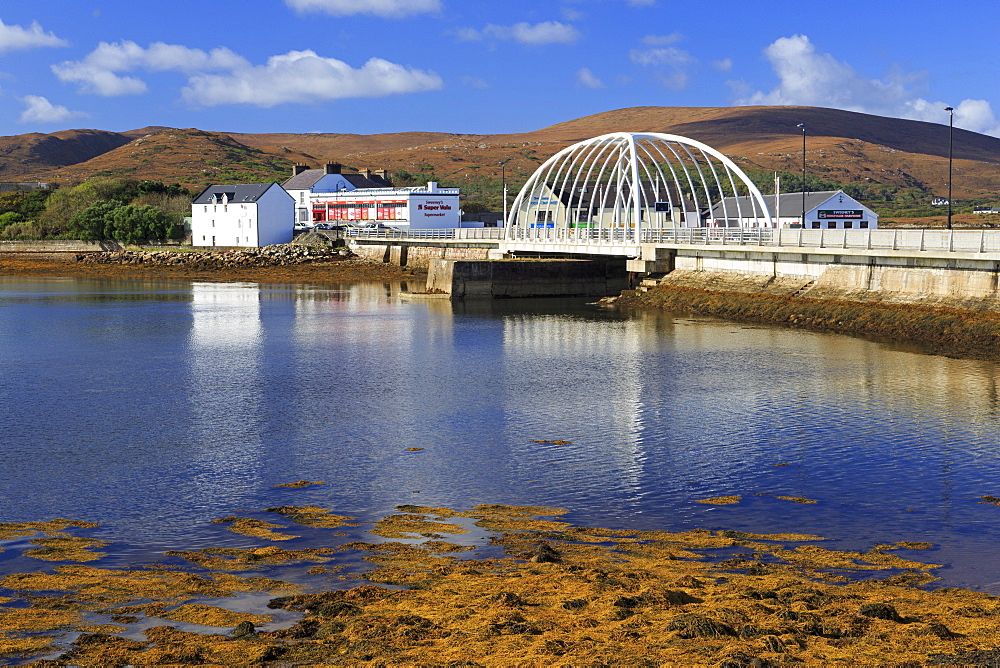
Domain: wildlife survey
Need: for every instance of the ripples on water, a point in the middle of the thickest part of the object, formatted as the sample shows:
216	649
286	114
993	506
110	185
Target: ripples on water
155	408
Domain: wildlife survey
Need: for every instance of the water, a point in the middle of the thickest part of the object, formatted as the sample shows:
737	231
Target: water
157	407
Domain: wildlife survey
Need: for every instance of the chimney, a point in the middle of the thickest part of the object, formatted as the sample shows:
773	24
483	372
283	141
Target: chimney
383	174
332	168
365	172
299	168
432	186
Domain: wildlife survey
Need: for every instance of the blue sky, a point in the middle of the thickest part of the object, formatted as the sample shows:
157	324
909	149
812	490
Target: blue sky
369	66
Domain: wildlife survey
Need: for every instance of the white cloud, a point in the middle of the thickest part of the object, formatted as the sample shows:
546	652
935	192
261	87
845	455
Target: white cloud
98	72
586	78
37	109
670	65
662	40
547	32
305	77
474	82
391	9
13	38
808	78
723	64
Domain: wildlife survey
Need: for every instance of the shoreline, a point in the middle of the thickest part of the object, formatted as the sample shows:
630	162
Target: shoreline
323	271
940	330
539	590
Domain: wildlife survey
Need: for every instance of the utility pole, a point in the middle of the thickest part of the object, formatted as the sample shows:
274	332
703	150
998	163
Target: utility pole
803	126
951	146
503	180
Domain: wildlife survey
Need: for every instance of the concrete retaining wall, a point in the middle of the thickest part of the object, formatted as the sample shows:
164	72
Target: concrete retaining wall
501	279
58	246
419	256
959	282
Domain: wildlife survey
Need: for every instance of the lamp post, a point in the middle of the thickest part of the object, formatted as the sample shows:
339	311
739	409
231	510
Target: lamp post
803	126
503	180
951	145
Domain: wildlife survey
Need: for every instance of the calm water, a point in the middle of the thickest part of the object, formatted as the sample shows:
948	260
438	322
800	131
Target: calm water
154	408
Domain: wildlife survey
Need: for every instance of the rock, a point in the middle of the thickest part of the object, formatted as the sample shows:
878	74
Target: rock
244	630
544	554
880	611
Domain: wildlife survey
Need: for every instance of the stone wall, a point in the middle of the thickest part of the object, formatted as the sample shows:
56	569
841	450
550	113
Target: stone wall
418	256
55	246
503	279
959	282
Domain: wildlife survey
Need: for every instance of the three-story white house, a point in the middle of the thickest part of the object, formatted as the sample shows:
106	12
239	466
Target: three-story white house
242	215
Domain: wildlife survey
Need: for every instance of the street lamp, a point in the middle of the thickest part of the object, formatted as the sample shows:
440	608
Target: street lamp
951	146
503	180
803	126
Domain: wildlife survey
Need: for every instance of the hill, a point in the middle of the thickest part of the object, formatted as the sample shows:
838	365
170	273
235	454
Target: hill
841	146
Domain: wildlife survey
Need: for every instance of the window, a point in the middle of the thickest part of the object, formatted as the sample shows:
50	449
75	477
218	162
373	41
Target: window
543	216
206	208
863	225
832	225
225	208
213	222
302	197
848	224
816	224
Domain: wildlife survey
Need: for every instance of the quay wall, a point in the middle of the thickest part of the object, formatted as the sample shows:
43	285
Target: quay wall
52	246
951	281
505	279
421	256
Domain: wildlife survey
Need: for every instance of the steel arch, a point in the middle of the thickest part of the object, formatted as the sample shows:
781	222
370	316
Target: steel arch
624	179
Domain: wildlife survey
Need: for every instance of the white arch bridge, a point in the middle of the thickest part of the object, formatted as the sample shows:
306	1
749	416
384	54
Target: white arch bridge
640	194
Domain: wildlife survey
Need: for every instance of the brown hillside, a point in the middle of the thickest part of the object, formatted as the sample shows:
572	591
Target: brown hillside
323	146
194	158
34	156
842	146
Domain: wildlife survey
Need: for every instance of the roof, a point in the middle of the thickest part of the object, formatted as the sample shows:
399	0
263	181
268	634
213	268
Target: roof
791	204
306	179
242	193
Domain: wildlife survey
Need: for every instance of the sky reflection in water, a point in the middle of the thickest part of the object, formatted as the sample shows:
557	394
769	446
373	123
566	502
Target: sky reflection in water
155	408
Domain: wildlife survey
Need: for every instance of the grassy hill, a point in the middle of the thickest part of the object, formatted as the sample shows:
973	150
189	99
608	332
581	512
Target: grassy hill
906	158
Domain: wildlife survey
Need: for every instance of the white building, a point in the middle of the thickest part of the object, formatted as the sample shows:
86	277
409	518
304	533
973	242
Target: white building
595	205
831	210
246	215
305	182
419	208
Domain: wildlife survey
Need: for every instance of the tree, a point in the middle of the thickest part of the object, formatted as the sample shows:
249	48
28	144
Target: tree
91	224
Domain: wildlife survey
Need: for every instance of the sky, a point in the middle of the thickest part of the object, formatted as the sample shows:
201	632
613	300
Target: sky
486	67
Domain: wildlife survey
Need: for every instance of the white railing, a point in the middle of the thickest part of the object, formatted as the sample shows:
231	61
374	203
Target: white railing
472	233
931	240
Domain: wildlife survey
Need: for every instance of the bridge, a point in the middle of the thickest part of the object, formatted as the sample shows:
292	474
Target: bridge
662	203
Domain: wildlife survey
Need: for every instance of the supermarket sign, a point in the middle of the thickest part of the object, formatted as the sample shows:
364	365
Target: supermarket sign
826	214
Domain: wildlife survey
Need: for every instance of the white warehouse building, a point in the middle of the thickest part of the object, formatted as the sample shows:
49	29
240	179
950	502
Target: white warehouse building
420	208
243	215
827	210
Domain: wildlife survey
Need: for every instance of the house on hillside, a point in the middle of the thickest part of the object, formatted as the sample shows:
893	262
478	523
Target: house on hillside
244	215
830	210
306	182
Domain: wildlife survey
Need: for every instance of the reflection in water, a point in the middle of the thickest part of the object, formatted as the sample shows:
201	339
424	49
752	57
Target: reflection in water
156	408
226	347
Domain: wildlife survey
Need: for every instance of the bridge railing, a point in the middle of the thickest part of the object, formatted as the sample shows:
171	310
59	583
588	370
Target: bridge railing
959	241
471	233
